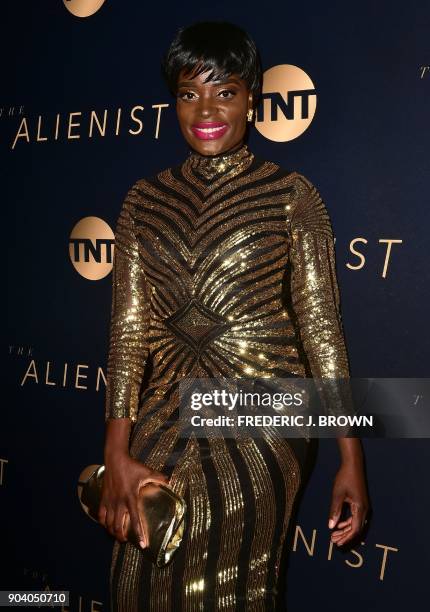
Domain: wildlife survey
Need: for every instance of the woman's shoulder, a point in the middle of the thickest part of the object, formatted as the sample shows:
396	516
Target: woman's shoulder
157	181
305	203
142	188
293	177
143	183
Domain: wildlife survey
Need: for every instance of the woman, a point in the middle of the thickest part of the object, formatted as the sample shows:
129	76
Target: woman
224	266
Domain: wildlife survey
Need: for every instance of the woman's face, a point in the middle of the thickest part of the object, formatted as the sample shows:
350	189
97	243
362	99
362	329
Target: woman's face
212	116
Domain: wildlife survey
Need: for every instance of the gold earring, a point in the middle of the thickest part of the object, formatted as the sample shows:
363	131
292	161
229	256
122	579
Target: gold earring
250	114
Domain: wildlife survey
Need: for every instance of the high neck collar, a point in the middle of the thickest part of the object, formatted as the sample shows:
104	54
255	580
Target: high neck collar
213	166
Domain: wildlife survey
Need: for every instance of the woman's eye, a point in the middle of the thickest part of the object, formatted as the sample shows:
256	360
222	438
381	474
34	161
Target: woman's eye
189	95
184	94
227	91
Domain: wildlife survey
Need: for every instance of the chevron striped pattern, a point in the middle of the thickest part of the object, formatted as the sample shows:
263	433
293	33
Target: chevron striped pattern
204	287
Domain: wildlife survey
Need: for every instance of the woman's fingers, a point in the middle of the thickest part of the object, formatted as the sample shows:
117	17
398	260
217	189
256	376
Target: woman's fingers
357	512
345	538
114	519
110	517
101	515
335	509
343	524
118	523
121	513
356	520
335	537
340	532
155	475
136	523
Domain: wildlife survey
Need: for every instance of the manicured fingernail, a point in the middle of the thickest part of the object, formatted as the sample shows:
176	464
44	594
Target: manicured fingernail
142	543
331	524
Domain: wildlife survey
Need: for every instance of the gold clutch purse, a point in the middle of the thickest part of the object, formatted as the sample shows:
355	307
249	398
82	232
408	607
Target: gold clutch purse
161	509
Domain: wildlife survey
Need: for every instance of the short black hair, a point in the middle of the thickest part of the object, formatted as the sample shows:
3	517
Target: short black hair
222	47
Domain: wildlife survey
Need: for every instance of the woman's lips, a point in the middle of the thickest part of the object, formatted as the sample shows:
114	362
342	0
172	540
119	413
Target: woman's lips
209	130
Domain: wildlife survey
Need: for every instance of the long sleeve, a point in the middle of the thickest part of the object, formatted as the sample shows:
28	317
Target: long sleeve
315	296
130	313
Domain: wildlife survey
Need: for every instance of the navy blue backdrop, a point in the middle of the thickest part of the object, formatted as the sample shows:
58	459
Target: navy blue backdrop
366	150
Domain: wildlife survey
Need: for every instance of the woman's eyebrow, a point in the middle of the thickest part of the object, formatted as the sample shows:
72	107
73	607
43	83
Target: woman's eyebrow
217	82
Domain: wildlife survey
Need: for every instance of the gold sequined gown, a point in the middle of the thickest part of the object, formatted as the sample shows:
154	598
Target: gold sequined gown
224	266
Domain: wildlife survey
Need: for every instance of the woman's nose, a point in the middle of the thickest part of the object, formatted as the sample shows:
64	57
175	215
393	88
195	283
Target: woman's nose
207	108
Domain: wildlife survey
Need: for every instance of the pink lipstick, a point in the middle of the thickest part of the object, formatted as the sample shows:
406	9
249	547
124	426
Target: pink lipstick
209	130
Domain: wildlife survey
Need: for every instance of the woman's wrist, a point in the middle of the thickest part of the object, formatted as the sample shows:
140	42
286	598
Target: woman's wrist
114	455
117	439
351	452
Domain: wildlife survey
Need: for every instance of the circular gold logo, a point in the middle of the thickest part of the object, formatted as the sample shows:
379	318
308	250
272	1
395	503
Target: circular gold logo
287	104
83	8
91	247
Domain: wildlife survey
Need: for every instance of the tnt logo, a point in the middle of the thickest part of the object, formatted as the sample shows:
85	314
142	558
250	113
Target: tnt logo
91	247
83	8
287	104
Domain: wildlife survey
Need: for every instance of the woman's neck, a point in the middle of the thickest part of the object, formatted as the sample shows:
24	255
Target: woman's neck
227	152
231	162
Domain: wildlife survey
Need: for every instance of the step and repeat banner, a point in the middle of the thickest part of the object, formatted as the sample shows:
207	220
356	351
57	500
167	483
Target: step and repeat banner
84	113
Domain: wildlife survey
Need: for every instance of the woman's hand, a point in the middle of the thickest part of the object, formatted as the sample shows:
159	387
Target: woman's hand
349	487
121	482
